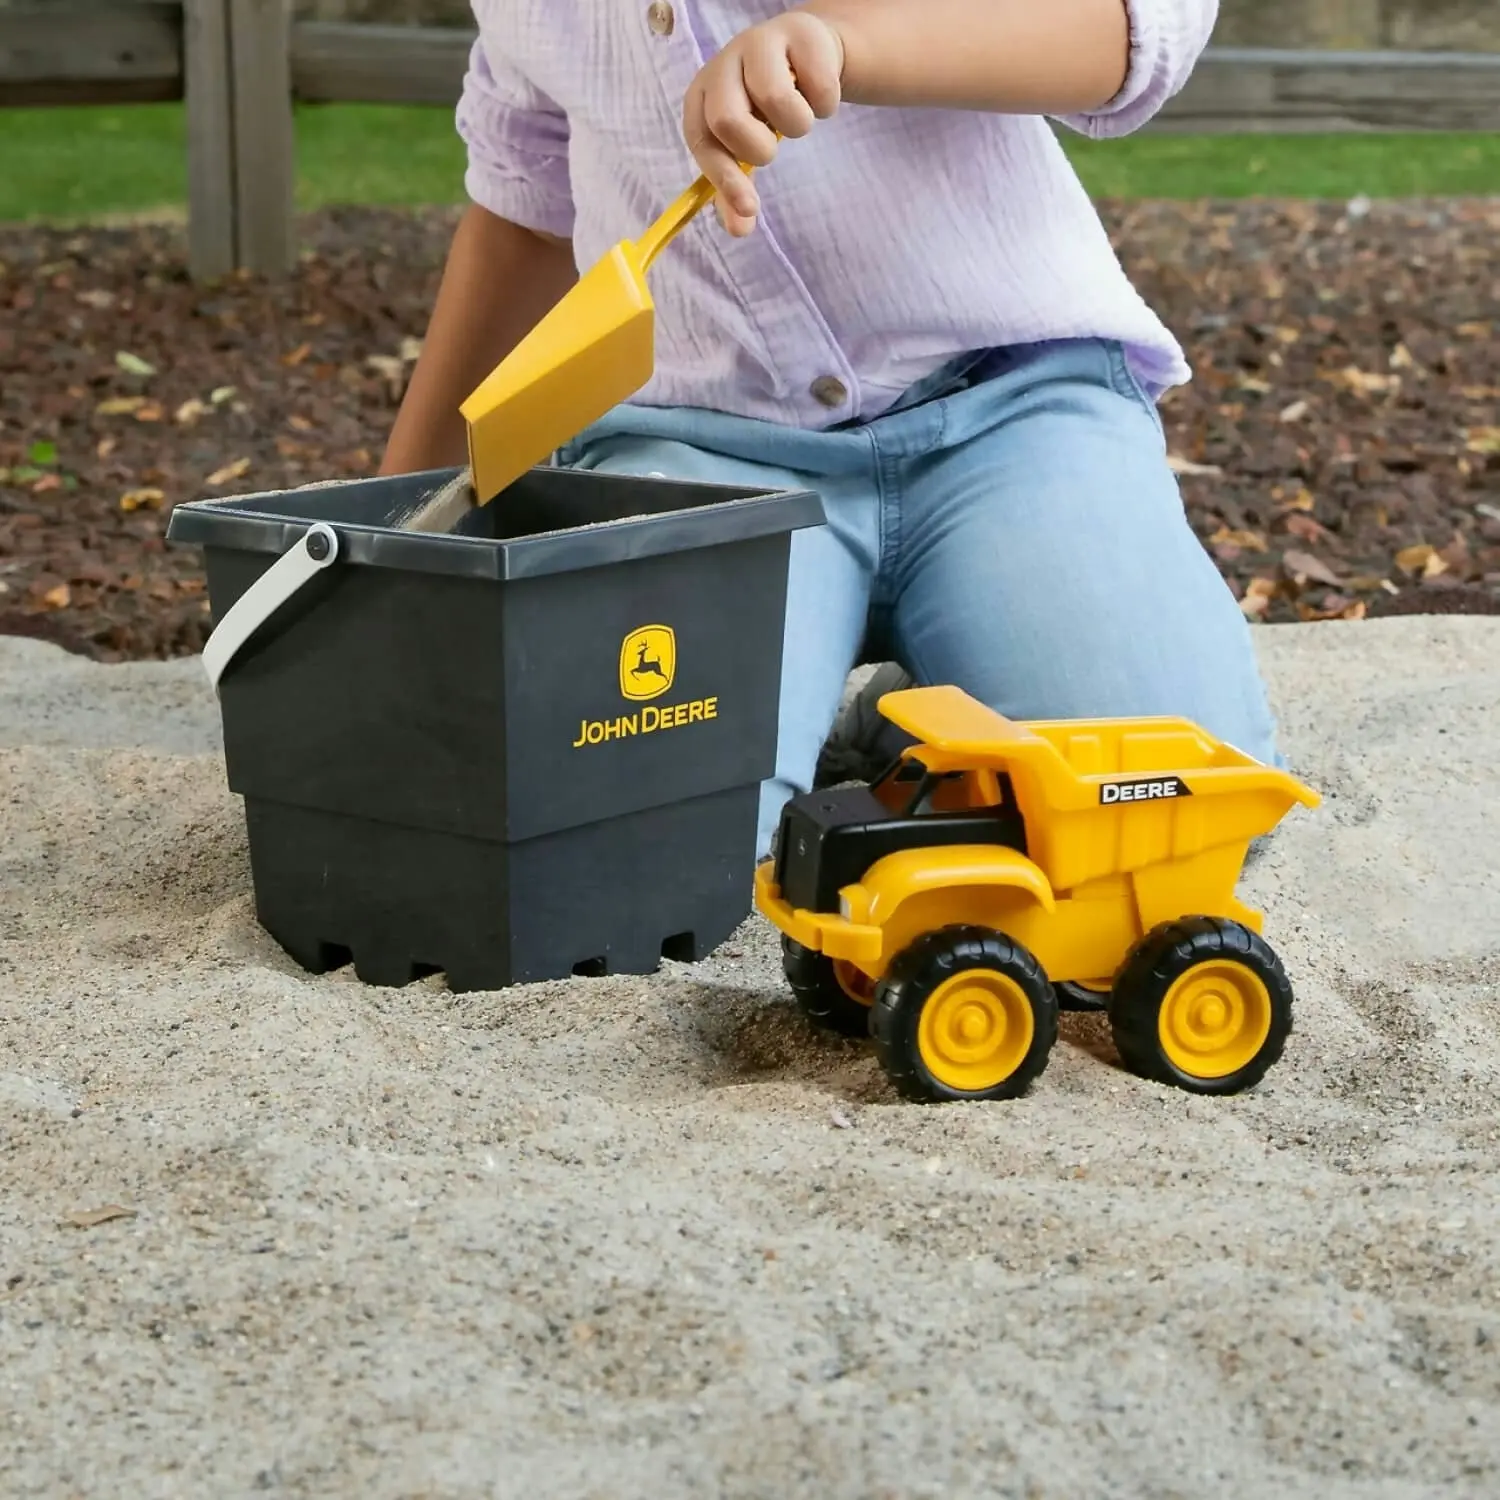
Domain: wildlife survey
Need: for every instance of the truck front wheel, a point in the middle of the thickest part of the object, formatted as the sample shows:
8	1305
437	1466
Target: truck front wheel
833	996
963	1014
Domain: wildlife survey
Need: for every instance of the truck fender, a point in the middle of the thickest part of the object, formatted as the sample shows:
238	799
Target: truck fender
914	872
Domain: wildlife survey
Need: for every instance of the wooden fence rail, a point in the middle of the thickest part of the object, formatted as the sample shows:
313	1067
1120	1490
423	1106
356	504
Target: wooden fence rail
240	64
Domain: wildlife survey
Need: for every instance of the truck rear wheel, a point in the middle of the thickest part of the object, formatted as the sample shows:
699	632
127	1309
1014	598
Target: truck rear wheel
828	993
1202	1004
963	1014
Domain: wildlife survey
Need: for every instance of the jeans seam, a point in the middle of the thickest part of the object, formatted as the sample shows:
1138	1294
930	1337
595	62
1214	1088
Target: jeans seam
1123	381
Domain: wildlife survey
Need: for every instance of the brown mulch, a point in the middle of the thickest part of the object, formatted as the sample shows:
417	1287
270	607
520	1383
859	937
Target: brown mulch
1339	447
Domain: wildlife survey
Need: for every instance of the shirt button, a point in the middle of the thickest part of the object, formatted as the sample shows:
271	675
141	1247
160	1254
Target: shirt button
828	390
659	17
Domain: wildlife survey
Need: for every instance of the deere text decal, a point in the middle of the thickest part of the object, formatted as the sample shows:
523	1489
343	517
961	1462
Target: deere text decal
648	668
1148	789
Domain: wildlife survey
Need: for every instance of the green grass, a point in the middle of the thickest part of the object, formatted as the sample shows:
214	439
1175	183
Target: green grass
1290	166
80	163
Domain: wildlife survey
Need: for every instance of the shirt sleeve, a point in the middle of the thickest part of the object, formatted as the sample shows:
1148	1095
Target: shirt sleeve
1167	37
517	142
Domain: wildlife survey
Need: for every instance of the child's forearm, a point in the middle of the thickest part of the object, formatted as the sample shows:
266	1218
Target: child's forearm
499	282
1050	57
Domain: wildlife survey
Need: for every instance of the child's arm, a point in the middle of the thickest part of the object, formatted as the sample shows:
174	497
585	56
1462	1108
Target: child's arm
498	283
1102	65
510	260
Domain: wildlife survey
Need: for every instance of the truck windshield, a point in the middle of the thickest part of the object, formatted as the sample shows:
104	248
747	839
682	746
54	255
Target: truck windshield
927	784
923	783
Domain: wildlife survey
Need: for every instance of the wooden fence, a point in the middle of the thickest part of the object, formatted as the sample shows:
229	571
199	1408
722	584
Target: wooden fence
240	64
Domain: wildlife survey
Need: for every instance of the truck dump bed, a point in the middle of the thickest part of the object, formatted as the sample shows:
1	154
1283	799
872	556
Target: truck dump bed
1104	797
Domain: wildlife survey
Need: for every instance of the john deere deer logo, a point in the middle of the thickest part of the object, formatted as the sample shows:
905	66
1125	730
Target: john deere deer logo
648	662
648	668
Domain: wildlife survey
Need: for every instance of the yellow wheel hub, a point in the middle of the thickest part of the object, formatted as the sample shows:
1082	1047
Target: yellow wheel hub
854	982
1214	1019
975	1030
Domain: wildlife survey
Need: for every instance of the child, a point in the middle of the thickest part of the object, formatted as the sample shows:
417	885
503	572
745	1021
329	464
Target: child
913	311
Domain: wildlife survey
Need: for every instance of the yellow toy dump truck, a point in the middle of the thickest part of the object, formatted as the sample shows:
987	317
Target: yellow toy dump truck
944	907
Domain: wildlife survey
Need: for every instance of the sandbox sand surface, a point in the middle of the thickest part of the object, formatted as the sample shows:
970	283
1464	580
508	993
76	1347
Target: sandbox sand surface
625	1238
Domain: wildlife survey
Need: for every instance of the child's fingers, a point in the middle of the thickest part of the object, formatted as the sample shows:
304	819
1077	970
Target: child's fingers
730	115
772	87
815	56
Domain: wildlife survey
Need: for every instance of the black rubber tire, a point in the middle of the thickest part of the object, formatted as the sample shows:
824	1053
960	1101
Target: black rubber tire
1079	997
1159	960
820	996
918	972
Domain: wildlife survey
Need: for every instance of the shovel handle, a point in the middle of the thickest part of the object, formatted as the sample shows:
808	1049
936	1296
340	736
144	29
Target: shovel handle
677	214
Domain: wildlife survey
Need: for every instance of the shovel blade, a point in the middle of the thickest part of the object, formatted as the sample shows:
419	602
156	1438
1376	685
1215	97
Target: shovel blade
591	352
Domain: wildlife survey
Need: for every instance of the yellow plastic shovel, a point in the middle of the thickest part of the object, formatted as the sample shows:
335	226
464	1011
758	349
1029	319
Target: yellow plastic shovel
591	352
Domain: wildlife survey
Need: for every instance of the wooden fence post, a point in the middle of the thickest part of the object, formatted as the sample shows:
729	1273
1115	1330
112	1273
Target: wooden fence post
264	146
213	245
241	151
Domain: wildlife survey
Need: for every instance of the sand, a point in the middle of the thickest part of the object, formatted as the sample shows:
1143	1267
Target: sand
619	1238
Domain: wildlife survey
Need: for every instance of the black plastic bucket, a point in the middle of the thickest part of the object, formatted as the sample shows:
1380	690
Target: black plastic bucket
528	749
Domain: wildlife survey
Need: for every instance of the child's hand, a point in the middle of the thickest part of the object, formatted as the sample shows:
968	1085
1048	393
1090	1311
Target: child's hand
778	76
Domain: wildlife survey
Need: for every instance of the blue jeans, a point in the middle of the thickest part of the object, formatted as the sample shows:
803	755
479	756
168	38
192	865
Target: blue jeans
1012	526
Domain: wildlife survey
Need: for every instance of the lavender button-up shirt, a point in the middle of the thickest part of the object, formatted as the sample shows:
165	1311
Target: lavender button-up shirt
889	240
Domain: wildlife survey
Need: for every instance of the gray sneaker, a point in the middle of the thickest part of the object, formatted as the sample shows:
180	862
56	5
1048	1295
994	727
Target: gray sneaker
861	743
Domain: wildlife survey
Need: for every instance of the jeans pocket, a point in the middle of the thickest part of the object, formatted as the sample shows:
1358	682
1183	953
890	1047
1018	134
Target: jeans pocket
1127	384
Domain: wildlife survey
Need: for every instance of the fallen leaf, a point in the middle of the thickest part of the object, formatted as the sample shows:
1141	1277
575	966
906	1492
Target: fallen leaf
236	470
1335	607
106	446
297	355
133	364
150	412
1254	384
97	298
1366	383
1480	392
1454	556
1258	595
300	423
1253	540
1180	465
190	411
1473	330
1482	440
411	350
59	598
1287	335
148	498
119	406
1302	500
45	483
92	1218
1302	525
1489	512
1295	412
1418	559
42	452
221	394
384	364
